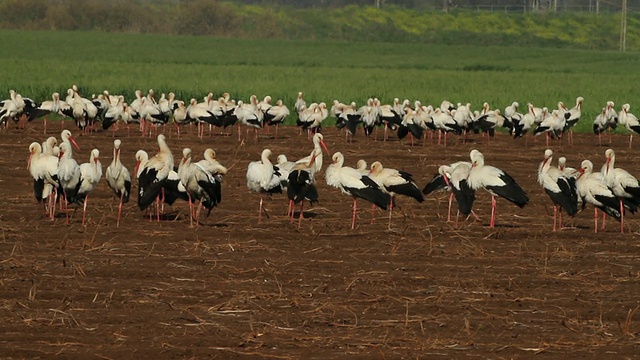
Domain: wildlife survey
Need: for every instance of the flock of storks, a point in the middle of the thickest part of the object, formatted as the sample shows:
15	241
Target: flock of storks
57	175
413	120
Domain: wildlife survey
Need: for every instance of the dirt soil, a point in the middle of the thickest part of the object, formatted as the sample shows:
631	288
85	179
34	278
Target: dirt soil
233	288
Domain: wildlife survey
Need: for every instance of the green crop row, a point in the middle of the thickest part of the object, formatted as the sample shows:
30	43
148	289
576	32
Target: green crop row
348	71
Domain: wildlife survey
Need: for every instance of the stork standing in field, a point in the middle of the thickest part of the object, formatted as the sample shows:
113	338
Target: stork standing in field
173	188
623	185
453	177
274	115
153	175
249	115
55	105
68	175
560	188
393	114
552	125
313	167
572	116
630	121
593	189
607	120
199	183
210	187
301	185
199	113
318	145
118	178
300	104
44	170
394	182
600	124
264	178
445	122
496	182
84	111
90	174
113	113
351	182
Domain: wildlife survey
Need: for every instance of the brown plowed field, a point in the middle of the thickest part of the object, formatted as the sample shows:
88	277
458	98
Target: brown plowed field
233	288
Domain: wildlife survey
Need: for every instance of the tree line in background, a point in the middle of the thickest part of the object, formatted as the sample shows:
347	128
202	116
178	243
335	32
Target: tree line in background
355	20
497	5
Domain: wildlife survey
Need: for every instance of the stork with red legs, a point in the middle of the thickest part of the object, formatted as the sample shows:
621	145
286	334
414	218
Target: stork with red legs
264	178
44	170
572	116
301	185
496	182
593	189
560	188
351	182
153	175
200	184
118	178
90	174
623	185
630	121
275	115
68	175
453	178
394	182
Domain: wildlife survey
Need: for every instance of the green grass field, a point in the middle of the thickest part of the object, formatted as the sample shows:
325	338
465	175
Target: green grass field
39	63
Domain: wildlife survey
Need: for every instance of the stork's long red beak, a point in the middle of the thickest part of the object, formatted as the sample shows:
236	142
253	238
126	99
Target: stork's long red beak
324	146
73	141
29	161
137	167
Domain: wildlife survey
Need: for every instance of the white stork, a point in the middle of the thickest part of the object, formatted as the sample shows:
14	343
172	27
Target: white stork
264	178
394	182
351	182
44	170
118	178
249	115
593	189
200	184
572	116
57	106
560	188
90	174
624	185
301	186
68	175
453	178
318	145
276	115
496	182
630	121
152	176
